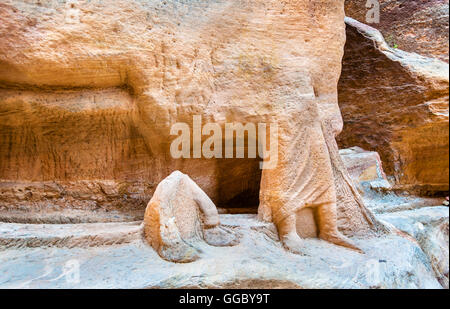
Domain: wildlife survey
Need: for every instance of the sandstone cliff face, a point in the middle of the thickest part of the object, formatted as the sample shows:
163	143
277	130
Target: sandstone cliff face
90	90
396	103
258	262
80	83
419	26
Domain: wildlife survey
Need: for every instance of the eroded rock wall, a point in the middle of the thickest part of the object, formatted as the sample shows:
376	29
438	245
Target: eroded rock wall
419	26
59	124
396	103
164	62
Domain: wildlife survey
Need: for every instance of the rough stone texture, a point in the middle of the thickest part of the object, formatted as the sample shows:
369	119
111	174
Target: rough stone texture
67	216
179	217
430	226
259	261
15	235
419	26
396	103
366	170
365	167
122	82
89	91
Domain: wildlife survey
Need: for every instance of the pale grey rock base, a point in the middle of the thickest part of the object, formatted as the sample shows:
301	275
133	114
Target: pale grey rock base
259	261
430	227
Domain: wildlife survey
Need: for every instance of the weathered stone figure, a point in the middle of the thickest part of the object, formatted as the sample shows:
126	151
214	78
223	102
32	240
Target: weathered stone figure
302	179
180	216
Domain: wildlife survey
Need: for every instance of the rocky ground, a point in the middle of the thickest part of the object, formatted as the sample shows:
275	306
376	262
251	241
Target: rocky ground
114	255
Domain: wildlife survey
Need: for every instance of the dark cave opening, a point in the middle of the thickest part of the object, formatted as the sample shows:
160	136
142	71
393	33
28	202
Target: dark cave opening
239	187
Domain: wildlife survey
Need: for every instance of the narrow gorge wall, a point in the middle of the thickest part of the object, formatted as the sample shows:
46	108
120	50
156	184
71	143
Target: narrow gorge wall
396	103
